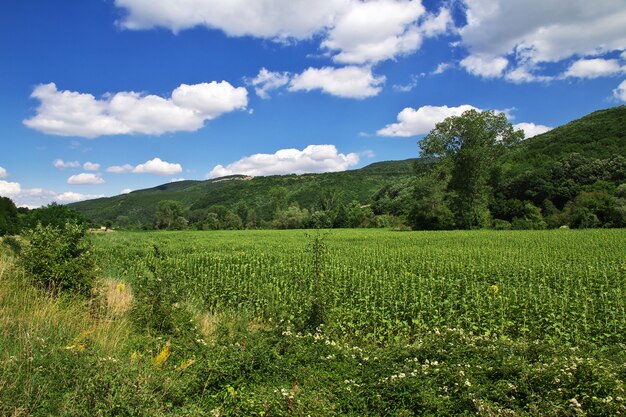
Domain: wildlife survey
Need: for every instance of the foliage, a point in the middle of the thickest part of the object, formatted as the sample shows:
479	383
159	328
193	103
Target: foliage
422	323
469	146
9	221
247	198
60	260
169	215
54	215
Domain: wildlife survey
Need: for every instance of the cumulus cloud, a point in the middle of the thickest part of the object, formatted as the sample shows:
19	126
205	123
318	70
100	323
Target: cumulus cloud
375	30
9	189
355	31
84	179
72	197
126	191
37	197
593	68
69	113
61	164
90	166
531	129
487	66
526	74
3	173
120	169
312	159
347	82
412	122
620	92
542	30
266	81
158	167
280	19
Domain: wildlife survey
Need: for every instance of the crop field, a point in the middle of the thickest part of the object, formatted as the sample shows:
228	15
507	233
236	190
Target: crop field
566	286
313	323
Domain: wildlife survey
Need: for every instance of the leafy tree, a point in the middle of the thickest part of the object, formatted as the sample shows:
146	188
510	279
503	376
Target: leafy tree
9	221
292	218
169	215
54	215
60	259
469	147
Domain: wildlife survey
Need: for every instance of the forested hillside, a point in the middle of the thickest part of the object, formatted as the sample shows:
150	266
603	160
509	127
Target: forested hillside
571	176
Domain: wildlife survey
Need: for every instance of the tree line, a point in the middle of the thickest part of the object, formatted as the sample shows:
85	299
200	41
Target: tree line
464	180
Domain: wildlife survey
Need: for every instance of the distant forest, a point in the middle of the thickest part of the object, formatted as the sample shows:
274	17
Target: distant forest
573	176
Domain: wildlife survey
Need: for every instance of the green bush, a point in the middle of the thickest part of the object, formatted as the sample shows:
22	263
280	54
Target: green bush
60	260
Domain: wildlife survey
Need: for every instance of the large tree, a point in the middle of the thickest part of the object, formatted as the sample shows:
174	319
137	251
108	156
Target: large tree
468	147
9	222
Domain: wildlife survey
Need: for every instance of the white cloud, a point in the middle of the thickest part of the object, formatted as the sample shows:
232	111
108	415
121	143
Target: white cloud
375	30
355	31
405	88
68	113
487	66
9	189
537	31
413	122
120	169
177	179
441	68
3	173
72	197
268	80
37	197
620	92
90	166
158	167
593	68
265	18
61	164
126	191
313	158
347	82
84	178
531	129
526	74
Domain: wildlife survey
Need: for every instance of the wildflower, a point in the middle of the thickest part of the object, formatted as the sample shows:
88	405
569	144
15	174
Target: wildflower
163	355
185	364
494	289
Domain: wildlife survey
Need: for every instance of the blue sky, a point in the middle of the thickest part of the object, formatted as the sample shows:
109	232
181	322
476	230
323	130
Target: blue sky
104	96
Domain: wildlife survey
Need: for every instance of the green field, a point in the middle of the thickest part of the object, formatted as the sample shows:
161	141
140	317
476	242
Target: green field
564	285
346	322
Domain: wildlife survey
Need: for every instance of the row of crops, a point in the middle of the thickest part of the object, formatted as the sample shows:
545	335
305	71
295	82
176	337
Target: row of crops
562	285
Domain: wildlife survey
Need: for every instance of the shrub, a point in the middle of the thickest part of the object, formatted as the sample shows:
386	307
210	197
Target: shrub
60	260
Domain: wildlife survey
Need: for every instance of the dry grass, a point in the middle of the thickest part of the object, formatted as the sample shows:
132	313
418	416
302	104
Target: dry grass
207	323
117	297
29	315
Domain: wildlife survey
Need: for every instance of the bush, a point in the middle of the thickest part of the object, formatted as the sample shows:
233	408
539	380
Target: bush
60	260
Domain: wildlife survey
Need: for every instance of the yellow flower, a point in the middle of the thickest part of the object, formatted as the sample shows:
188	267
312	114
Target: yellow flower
163	355
494	289
185	364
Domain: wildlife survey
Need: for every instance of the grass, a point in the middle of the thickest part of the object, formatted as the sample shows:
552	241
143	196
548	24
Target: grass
233	341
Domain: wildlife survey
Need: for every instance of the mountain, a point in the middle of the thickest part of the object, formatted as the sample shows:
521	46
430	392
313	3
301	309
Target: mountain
600	135
306	190
597	136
